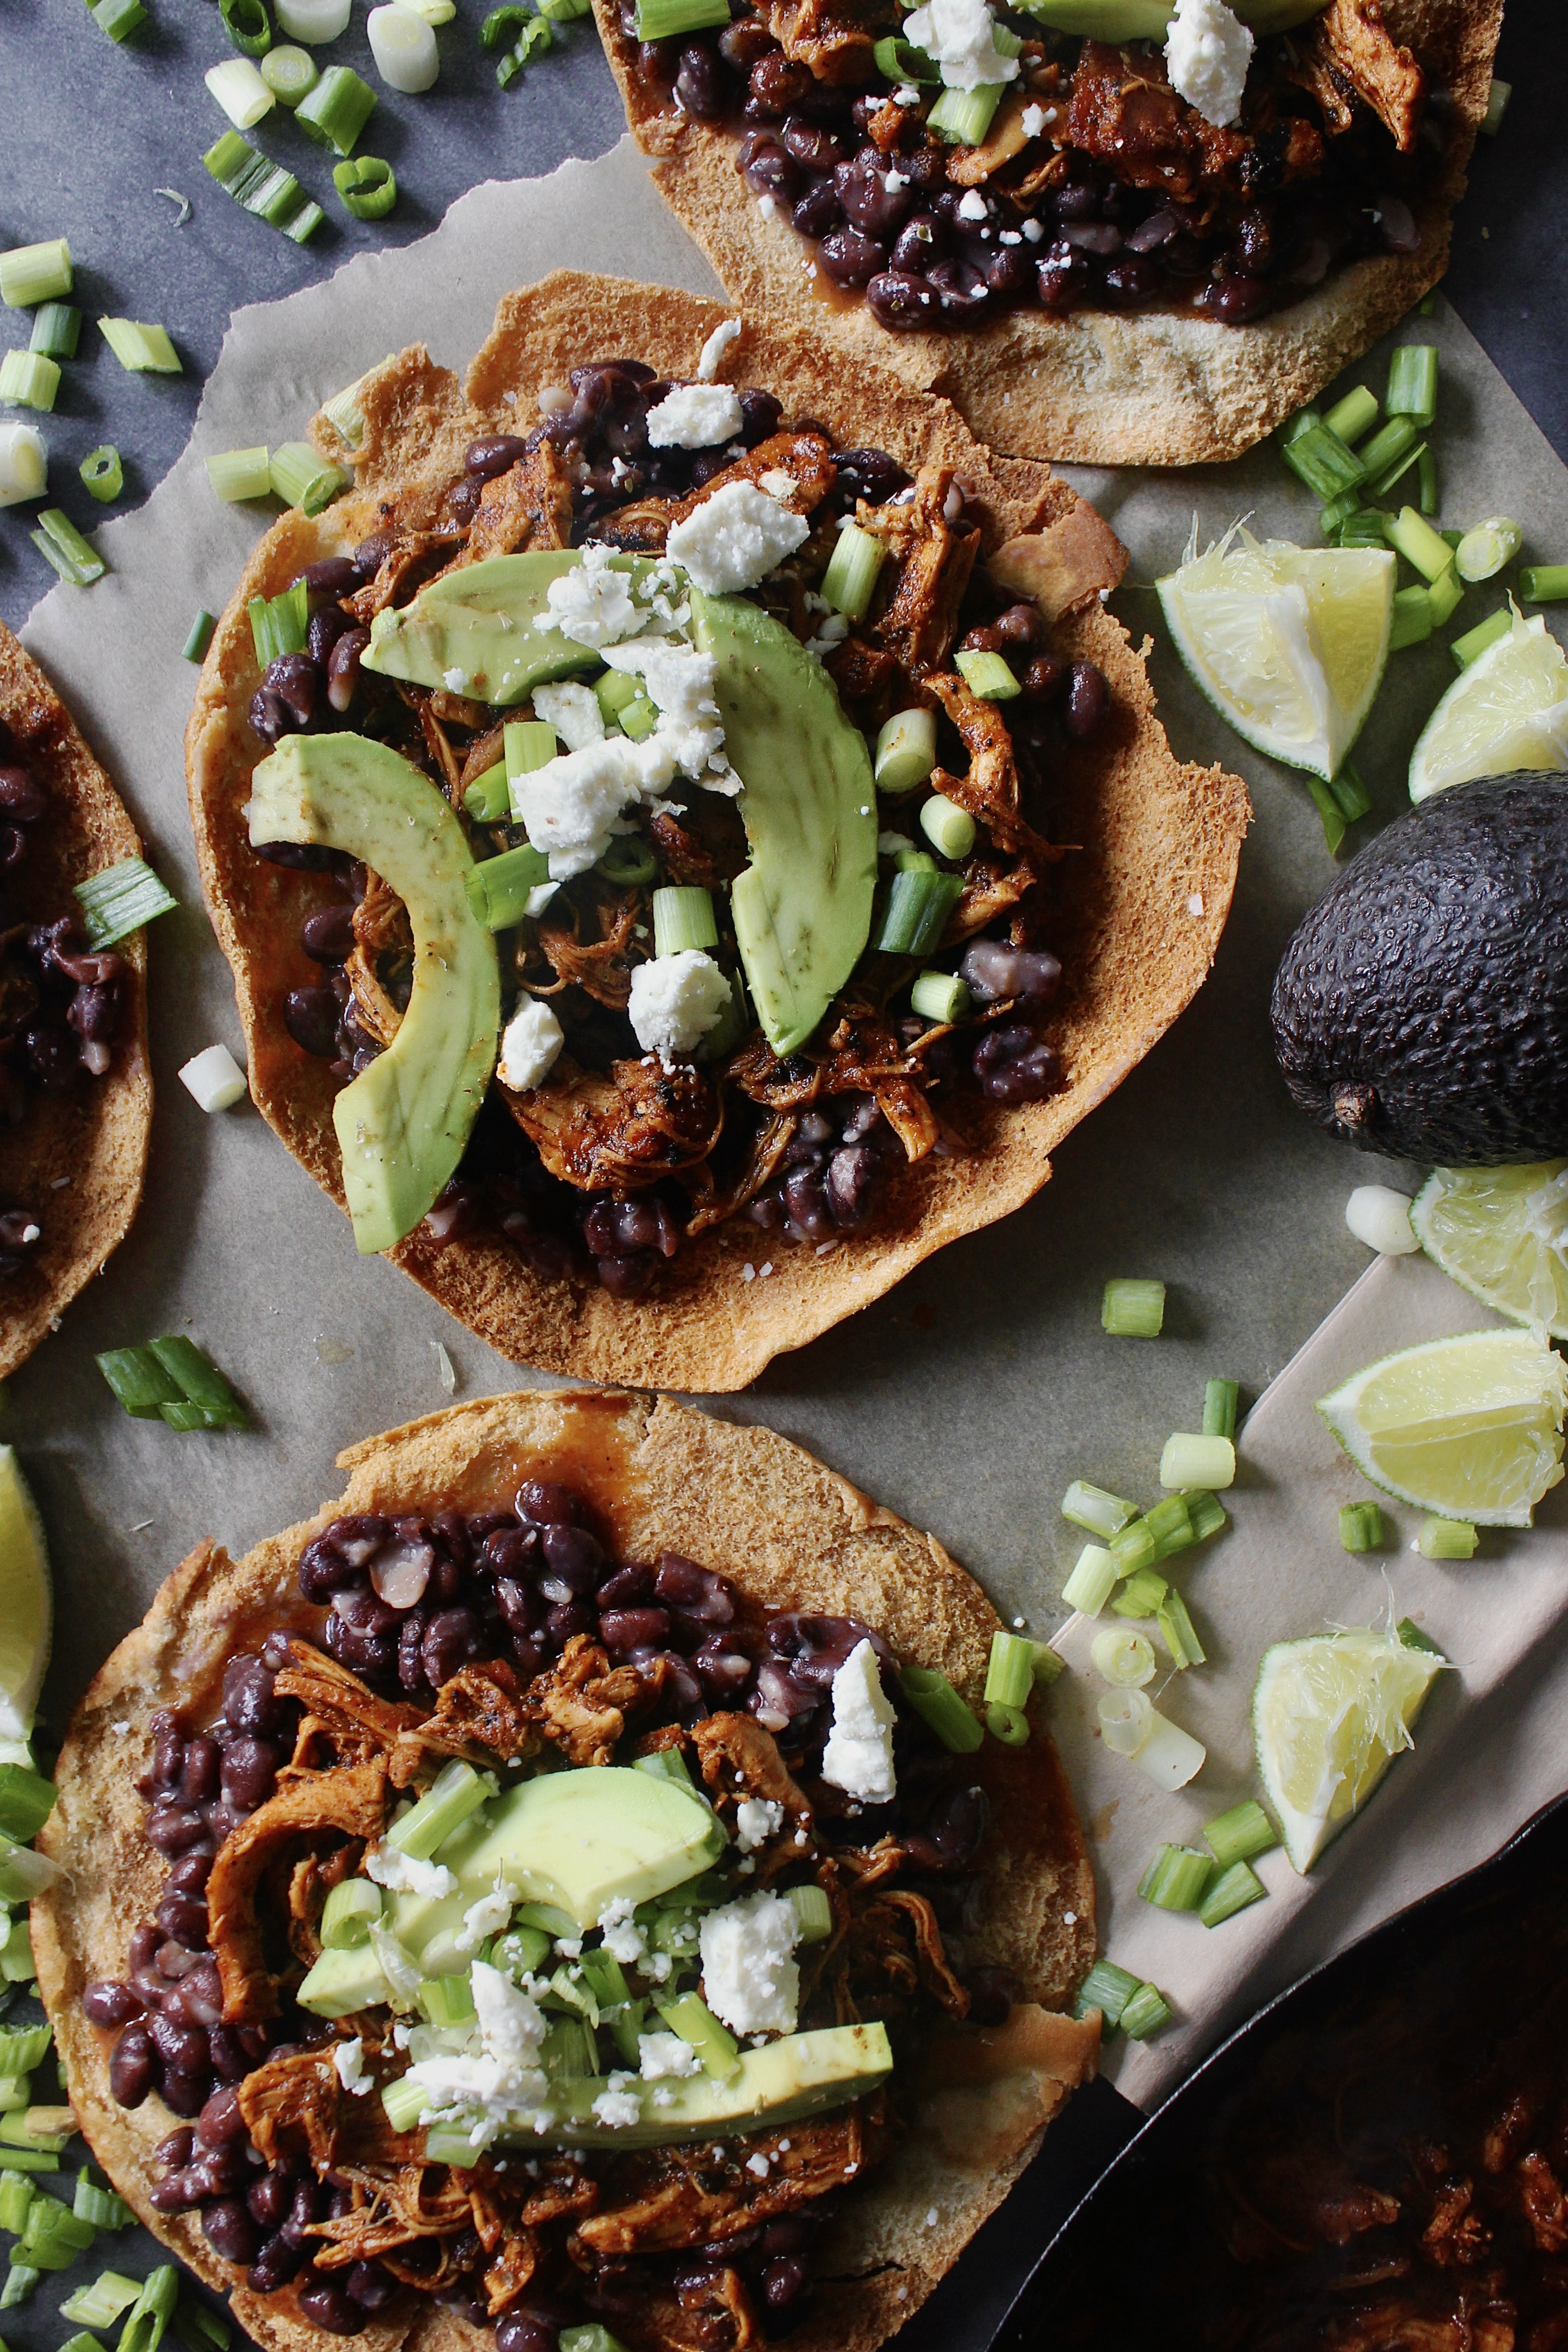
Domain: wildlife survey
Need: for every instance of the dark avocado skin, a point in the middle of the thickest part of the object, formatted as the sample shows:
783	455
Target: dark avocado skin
1421	1009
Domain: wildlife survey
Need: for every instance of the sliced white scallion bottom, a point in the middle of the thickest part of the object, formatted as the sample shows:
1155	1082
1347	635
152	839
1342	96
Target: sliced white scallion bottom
215	1078
1380	1217
23	464
1131	1727
313	20
404	46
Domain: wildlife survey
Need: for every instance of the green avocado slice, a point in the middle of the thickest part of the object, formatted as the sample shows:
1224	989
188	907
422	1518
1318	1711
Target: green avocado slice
802	908
472	631
403	1123
799	2074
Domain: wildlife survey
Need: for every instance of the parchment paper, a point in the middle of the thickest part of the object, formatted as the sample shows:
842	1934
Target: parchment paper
969	1398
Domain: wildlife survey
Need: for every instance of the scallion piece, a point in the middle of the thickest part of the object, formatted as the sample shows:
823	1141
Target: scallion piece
118	18
1396	473
486	799
1205	1511
301	477
1361	1527
100	2304
59	541
612	692
1231	1891
948	829
1145	2013
1302	422
499	889
241	91
1324	462
1418	543
1175	1878
1355	415
1545	583
139	1380
336	111
29	2160
1391	443
290	74
1107	1989
1007	1724
1363	528
691	2018
852	572
1170	1524
1141	1594
813	1914
120	899
666	1764
1447	1539
915	916
456	1792
901	61
640	718
664	20
940	996
631	864
28	380
1474	643
20	2279
279	625
200	637
56	331
27	1801
102	474
201	2330
987	677
530	744
1132	1549
1094	1507
560	12
963	117
1190	1459
94	2203
16	2193
1179	1631
247	25
237	474
1010	1672
1245	1831
1487	548
1123	1657
152	2312
1497	95
1135	1310
445	2000
52	2237
1339	511
200	1381
906	752
684	918
1412	623
1413	384
1354	799
1092	1581
941	1709
1426	477
404	2103
22	2048
344	413
367	184
1444	596
31	274
141	349
1220	1398
910	860
1049	1666
22	1875
502	25
262	188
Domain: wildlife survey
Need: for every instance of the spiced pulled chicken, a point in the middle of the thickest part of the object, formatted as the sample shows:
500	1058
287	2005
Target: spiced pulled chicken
512	1639
1095	186
602	1171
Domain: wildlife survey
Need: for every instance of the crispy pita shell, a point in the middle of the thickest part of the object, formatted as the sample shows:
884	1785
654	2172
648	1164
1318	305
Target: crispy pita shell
1099	387
1158	838
90	1140
793	1534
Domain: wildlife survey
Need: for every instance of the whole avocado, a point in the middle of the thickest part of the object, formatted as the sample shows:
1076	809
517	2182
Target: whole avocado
1422	1007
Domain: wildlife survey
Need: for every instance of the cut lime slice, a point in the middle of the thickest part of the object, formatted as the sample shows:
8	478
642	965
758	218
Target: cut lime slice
1329	1716
1502	1235
25	1605
1470	1428
1508	710
1289	643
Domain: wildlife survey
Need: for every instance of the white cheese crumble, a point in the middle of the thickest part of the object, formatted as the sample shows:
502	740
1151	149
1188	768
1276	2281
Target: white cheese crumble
624	1939
492	1911
1033	229
734	540
667	2054
726	332
675	999
400	1873
1034	121
757	1819
1208	52
619	2106
858	1758
530	1043
958	35
695	417
454	680
484	2085
758	2166
568	806
972	206
349	2058
573	711
778	483
750	1980
592	603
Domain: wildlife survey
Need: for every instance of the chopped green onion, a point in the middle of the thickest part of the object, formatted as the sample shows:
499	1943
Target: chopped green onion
1049	1666
1124	1657
640	718
521	1952
22	1875
27	1801
1413	384
343	412
1007	1724
906	752
1361	1527
1389	446
963	117
1474	642
290	74
1363	528
262	188
1205	1511
14	2091
1170	1524
918	906
1010	1672
240	92
612	692
1412	618
1451	539
1447	1539
499	889
1444	596
200	1382
690	2017
631	864
1545	583
247	25
901	61
22	2048
336	111
1103	1514
1194	1461
74	558
46	2127
404	2103
486	799
1092	1581
1497	95
199	637
279	625
1339	511
56	331
31	274
1418	543
1413	1638
16	2193
367	184
103	475
239	474
28	2159
1145	2013
666	1764
301	477
1142	1593
456	1792
1220	1398
28	380
987	677
1487	548
941	1709
1326	801
152	2312
403	45
1107	1989
1324	462
1354	415
503	26
106	2211
852	572
1396	472
445	2000
530	744
1179	1631
813	1913
560	12
20	2281
1302	422
118	17
1354	800
1175	1878
684	918
910	860
201	2330
589	2338
1132	1549
1426	476
1245	1831
948	829
140	349
52	2237
1231	1891
1135	1310
941	996
663	20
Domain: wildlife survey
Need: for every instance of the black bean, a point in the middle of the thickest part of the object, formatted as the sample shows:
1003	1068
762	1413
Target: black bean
545	1503
108	2001
176	2192
573	1562
452	1639
785	2280
182	2047
1088	700
771	172
721	1668
199	1771
343	667
806	1199
302	857
275	2265
993	971
777	83
305	2207
744	42
962	288
373	552
21	800
903	302
220	2121
495	454
1237	302
869	474
1042	681
176	2152
185	2095
250	1696
183	1919
760	414
332	575
1008	269
522	2331
624	1630
297	682
326	627
231	2061
330	2307
1062	280
190	1874
310	1016
866	196
850	258
852	1179
814	145
701	84
1012	1067
52	1054
132	2066
200	1999
569	1617
361	1651
1133	278
250	1773
175	1829
818	210
270	2197
372	2286
230	2231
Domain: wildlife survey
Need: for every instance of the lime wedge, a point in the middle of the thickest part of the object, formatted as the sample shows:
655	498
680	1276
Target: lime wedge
1289	643
26	1610
1507	710
1470	1428
1329	1716
1502	1235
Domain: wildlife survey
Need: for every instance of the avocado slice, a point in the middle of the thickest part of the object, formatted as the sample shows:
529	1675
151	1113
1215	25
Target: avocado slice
575	1840
799	2074
802	908
472	630
1149	20
403	1123
341	1983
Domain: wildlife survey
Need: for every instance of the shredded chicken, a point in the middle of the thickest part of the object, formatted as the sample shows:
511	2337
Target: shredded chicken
599	967
336	1701
644	525
623	1131
739	1759
704	2195
936	561
581	1703
1349	53
834	37
381	928
763	1161
351	1800
290	2107
479	1714
529	506
409	554
863	1056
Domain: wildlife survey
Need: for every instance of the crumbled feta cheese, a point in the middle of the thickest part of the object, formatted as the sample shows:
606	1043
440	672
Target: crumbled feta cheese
624	1939
972	206
767	206
568	806
349	2058
757	1819
530	1043
214	1078
750	1980
1033	121
538	898
1194	904
553	398
485	2086
675	999
714	350
400	1873
667	2054
682	685
906	94
695	417
734	540
1034	230
858	1758
592	603
758	2166
618	2106
1009	237
1208	52
958	35
778	483
454	680
889	845
492	1911
573	711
